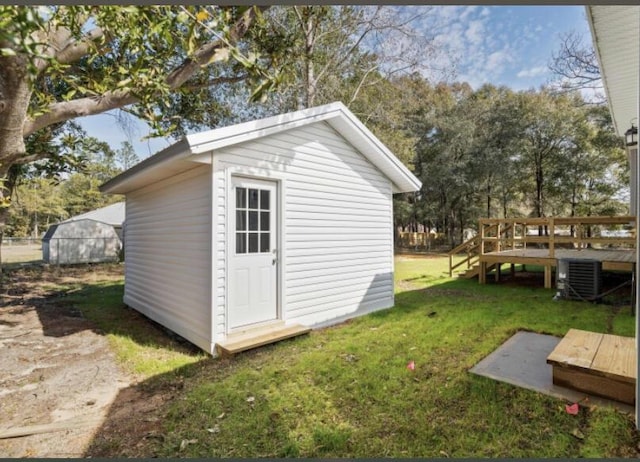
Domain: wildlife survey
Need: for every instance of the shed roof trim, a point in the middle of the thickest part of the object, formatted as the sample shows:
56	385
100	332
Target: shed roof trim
335	114
615	34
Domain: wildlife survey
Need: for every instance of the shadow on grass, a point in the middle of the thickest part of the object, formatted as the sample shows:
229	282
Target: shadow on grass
136	425
72	299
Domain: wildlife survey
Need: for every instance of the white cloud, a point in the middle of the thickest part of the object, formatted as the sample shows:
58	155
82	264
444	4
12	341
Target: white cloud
532	72
475	32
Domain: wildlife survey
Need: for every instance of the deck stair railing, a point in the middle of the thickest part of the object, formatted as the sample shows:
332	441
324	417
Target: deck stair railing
472	249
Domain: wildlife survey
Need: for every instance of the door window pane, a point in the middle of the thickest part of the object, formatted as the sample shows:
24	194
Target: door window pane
241	245
253	198
253	220
253	242
264	221
241	198
264	242
264	200
241	220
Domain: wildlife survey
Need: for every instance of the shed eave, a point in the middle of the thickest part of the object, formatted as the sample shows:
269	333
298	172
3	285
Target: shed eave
616	38
160	165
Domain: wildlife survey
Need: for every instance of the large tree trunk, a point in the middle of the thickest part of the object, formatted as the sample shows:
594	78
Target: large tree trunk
15	94
307	22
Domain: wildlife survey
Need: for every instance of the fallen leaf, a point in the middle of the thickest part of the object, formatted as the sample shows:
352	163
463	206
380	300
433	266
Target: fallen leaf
411	366
221	416
185	443
577	433
572	409
251	399
443	453
215	429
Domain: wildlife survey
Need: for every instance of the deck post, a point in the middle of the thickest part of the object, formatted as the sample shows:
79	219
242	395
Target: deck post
498	272
499	238
547	277
482	275
552	232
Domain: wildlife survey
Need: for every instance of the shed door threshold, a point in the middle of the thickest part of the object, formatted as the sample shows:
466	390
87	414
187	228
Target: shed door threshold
260	336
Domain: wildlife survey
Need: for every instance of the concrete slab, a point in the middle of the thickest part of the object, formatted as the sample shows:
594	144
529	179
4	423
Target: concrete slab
522	361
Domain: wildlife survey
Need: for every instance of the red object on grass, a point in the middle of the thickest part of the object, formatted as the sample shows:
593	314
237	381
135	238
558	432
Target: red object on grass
572	409
411	366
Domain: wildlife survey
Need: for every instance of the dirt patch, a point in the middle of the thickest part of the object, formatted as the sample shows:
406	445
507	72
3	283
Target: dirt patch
57	367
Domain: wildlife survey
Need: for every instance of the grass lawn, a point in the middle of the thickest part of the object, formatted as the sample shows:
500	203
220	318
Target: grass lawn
346	391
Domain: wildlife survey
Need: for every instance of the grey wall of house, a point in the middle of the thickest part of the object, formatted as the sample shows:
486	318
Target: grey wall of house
633	180
636	209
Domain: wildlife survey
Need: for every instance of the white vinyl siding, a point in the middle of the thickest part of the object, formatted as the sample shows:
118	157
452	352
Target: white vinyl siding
168	254
337	217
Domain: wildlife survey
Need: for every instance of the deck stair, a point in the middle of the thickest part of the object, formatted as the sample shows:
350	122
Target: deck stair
599	364
473	272
259	336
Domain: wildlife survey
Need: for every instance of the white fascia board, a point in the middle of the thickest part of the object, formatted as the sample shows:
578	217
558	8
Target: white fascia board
352	129
240	133
616	41
139	173
603	76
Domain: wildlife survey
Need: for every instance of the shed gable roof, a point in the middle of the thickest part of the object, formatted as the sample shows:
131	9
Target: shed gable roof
181	155
111	214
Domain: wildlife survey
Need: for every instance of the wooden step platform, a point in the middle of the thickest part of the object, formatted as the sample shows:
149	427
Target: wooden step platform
599	364
257	337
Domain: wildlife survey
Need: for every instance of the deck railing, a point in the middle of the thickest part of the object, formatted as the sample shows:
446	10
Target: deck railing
499	234
557	232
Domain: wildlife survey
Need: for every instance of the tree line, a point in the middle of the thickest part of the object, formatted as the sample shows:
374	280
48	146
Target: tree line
499	153
486	152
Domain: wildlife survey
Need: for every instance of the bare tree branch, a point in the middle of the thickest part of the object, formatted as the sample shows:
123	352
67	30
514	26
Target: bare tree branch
575	64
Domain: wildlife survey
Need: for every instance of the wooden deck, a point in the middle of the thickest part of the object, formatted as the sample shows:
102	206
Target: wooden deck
512	241
600	364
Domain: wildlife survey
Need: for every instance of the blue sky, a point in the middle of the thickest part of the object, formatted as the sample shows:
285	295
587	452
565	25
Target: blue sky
502	45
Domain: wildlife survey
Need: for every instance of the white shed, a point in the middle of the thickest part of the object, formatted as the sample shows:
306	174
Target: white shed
282	221
112	214
80	241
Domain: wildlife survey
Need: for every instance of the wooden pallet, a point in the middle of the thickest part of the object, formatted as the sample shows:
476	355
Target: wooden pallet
599	364
255	338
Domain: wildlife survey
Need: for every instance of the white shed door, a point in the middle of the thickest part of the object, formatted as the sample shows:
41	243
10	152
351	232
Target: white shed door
253	257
